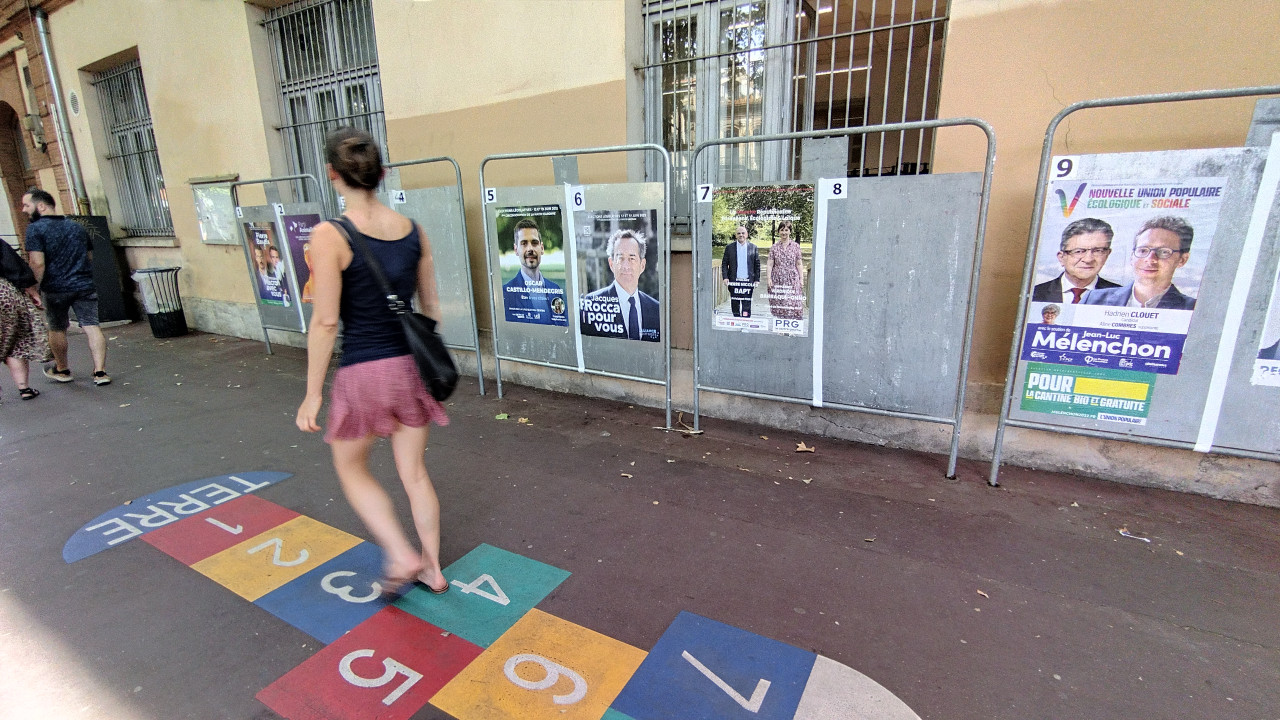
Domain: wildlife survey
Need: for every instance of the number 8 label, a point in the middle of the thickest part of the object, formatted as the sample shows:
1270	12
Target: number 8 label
833	188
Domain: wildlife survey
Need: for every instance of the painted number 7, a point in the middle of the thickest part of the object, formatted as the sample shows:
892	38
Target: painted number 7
393	668
751	705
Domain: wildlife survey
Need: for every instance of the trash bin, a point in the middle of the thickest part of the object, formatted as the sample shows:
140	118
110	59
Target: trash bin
160	298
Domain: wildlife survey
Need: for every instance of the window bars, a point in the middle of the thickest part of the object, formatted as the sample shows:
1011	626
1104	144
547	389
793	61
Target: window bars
135	163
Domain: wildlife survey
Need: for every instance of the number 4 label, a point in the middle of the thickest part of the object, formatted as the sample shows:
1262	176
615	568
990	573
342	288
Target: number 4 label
833	188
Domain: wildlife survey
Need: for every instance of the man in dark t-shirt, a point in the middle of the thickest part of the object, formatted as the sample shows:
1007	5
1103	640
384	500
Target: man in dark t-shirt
60	255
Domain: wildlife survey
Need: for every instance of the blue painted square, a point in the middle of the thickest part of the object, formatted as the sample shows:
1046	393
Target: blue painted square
335	597
490	589
757	677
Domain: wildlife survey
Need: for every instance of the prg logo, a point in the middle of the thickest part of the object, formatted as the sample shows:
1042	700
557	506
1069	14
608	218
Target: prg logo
1068	208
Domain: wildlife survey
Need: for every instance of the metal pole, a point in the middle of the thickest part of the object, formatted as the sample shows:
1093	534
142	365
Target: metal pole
1037	215
66	146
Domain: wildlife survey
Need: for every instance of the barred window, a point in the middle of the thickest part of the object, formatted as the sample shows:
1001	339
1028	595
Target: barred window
326	66
143	206
741	68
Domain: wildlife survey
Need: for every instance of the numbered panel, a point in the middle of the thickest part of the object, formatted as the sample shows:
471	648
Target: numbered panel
335	597
544	667
218	528
490	590
701	668
388	667
266	561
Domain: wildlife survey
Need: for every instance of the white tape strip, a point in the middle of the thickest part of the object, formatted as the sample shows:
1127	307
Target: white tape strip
571	280
816	271
1239	294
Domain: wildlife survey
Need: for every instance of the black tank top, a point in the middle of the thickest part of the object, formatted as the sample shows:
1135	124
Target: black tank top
370	331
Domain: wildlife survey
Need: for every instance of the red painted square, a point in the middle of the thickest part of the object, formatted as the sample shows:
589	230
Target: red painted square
386	668
195	538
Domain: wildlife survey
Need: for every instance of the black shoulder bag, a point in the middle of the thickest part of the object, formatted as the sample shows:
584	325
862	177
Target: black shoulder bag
435	365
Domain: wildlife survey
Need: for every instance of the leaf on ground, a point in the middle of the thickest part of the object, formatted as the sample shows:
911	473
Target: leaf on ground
626	475
523	421
501	416
764	437
984	594
801	447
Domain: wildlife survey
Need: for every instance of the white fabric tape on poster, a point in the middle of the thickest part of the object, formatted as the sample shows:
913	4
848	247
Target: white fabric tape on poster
573	200
1239	294
828	189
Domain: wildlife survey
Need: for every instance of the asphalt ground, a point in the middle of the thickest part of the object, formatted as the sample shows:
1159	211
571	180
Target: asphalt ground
964	601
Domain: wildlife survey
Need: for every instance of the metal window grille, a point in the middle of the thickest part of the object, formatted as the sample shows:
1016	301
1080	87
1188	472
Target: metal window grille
135	163
737	68
326	66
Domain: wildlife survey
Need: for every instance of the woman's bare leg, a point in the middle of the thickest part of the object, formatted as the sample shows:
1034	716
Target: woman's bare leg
409	445
374	506
20	369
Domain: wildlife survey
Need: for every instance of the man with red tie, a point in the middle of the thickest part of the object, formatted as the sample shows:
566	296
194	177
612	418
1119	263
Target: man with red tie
1085	247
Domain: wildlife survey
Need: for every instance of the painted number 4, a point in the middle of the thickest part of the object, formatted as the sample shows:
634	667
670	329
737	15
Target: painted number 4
751	705
474	588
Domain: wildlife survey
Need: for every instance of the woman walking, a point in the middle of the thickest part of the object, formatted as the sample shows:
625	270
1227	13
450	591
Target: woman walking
23	334
376	391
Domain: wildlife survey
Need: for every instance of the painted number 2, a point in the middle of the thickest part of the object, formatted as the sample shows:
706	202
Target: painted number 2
393	668
751	705
554	672
473	588
278	544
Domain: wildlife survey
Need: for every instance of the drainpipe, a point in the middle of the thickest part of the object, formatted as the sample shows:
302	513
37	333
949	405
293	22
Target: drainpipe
66	146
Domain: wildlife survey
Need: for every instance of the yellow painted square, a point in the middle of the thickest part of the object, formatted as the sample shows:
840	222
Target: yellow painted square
1111	388
567	672
264	562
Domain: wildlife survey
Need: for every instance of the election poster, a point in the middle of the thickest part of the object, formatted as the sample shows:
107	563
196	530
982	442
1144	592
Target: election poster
269	274
1096	393
618	261
297	232
1118	272
762	250
1266	368
531	259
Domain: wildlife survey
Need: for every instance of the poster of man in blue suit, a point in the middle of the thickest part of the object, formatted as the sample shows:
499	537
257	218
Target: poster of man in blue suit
625	304
530	252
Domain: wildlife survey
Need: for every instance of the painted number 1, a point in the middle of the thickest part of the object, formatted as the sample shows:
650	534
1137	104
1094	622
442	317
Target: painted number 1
751	705
393	668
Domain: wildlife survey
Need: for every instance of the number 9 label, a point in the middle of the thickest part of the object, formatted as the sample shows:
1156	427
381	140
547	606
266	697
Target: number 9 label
1064	167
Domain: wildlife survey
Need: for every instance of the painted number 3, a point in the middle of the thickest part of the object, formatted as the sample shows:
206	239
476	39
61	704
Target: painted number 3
392	669
554	672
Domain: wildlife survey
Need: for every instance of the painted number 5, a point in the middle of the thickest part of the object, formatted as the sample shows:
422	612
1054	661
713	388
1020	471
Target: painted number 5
393	668
553	670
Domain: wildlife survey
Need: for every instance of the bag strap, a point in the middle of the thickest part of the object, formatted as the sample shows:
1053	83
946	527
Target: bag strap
356	239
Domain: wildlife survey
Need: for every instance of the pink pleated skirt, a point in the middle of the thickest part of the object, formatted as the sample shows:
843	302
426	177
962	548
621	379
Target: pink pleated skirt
377	397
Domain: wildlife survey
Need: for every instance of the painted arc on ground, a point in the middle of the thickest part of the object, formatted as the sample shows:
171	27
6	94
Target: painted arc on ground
144	514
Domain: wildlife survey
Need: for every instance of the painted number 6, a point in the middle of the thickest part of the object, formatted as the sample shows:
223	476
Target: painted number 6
393	668
553	670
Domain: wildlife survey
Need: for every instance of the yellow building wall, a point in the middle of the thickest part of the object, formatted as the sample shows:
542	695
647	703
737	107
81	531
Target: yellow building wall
203	90
1017	63
472	78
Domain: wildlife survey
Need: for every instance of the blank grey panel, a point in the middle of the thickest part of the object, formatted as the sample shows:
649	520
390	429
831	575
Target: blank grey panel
635	358
761	363
898	266
527	341
1178	401
439	211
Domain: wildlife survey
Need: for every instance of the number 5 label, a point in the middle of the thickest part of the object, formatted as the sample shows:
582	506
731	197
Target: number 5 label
490	195
833	188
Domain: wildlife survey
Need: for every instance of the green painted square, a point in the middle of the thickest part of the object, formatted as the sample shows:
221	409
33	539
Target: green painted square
612	714
490	589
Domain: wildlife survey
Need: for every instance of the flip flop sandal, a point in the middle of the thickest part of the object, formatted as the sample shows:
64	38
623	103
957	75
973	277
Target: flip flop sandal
28	393
434	591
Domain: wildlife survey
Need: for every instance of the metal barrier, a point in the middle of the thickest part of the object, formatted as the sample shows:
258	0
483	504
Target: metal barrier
817	319
452	259
571	202
272	315
1037	218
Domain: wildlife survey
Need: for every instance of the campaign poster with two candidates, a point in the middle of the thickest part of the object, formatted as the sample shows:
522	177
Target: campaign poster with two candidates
270	277
1117	275
762	249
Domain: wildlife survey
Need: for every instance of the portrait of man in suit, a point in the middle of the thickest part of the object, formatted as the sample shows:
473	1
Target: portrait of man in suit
528	297
1161	247
621	309
1083	251
740	271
